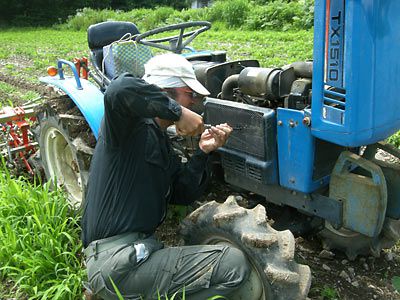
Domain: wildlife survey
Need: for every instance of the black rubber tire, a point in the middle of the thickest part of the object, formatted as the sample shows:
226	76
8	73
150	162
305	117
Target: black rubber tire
73	134
270	252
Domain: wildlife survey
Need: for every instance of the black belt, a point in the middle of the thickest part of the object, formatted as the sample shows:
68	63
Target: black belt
102	245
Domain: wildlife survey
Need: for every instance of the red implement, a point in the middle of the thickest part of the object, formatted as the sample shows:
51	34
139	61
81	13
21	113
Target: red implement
18	143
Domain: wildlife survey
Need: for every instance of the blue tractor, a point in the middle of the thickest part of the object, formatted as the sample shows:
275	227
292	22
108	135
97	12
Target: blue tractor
308	139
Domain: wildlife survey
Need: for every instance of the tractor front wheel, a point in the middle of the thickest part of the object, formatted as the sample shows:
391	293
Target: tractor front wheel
270	253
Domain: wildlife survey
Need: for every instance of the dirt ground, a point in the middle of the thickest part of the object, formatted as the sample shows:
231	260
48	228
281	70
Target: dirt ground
333	275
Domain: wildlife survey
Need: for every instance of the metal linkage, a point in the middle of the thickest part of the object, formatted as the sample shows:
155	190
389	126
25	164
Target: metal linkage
82	64
16	137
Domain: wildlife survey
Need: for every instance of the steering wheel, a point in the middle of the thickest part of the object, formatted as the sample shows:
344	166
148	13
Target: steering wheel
176	42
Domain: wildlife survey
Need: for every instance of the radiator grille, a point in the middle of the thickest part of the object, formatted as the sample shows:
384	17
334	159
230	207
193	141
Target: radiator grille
238	165
234	163
248	135
254	172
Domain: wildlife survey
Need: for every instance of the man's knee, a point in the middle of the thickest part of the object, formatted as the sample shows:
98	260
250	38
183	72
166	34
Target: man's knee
233	269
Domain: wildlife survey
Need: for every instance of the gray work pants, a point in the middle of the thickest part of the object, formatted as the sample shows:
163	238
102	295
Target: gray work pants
202	271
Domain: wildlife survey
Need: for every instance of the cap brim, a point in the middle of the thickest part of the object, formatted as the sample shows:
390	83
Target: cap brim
196	86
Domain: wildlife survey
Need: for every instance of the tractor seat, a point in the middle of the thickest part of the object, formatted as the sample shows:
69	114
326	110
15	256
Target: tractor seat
103	34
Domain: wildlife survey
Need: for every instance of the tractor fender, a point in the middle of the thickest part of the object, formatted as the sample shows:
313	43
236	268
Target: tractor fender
88	98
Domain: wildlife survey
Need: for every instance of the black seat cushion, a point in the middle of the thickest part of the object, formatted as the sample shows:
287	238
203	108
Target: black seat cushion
102	34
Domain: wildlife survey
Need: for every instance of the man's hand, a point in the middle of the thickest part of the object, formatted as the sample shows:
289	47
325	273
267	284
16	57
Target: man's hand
215	137
190	123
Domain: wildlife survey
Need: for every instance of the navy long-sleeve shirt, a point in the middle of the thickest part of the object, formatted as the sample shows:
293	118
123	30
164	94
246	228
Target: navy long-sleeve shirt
134	172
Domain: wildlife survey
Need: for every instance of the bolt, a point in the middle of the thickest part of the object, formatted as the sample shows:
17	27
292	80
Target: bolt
307	121
291	123
280	123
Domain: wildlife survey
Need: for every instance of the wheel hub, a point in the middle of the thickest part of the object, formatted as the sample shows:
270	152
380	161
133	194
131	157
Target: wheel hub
62	165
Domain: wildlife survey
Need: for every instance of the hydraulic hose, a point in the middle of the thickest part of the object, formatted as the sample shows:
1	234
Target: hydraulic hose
227	87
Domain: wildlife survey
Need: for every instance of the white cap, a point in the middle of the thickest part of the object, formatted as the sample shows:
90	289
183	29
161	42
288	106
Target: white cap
164	67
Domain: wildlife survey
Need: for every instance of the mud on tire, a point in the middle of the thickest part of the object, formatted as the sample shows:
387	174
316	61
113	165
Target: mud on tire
66	147
270	252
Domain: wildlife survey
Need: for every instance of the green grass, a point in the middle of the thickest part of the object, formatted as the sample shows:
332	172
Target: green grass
28	52
271	48
10	95
40	250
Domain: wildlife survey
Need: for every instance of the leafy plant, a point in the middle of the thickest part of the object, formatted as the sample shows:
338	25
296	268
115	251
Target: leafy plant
396	283
395	139
277	14
119	295
281	15
39	240
329	293
233	13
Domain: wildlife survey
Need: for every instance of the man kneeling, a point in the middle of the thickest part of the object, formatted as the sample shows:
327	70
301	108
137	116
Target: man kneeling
135	174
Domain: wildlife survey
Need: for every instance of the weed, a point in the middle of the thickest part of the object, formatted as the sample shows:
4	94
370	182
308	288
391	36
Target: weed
39	240
280	14
233	13
277	14
396	283
159	297
395	139
11	95
329	293
116	289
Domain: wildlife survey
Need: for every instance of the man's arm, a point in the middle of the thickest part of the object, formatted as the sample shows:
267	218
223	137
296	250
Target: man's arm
128	100
192	179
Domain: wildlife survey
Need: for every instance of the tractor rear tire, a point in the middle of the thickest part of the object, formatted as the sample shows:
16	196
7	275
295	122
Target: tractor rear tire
275	274
64	141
